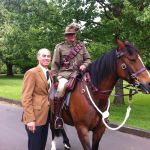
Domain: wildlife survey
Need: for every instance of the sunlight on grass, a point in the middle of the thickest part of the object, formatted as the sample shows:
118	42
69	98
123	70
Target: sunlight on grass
139	115
10	87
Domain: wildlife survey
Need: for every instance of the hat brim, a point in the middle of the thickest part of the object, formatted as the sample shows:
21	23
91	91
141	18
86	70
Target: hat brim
69	33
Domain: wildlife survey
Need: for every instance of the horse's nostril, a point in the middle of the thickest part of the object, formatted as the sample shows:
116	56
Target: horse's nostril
149	83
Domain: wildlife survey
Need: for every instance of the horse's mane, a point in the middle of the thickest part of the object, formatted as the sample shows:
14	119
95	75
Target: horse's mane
102	67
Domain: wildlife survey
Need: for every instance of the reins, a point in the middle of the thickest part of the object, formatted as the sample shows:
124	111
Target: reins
132	92
106	113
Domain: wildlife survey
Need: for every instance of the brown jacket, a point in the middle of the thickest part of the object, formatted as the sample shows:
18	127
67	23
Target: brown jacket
35	97
61	51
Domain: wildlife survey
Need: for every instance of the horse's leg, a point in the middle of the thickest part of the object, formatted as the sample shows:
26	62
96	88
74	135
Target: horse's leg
97	135
53	143
83	135
57	133
65	139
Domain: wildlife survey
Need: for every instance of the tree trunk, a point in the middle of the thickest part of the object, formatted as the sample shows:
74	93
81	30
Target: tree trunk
9	69
119	91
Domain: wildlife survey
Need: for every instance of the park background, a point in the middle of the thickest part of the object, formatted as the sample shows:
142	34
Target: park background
28	25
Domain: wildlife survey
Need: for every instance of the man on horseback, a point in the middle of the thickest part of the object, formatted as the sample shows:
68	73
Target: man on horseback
69	58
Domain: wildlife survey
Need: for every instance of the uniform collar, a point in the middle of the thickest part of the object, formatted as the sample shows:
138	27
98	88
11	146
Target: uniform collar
71	45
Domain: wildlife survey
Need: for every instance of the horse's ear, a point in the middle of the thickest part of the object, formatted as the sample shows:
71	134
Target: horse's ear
120	44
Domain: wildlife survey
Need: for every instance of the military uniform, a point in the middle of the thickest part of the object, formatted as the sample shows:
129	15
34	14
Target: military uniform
61	51
69	57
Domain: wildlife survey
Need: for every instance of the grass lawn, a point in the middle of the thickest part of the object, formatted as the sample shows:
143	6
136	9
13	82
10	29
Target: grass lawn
10	87
139	115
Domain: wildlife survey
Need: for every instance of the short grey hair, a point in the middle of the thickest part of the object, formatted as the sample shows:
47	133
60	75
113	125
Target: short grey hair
40	50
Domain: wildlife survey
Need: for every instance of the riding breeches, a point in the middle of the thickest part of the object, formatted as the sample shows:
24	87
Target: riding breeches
61	87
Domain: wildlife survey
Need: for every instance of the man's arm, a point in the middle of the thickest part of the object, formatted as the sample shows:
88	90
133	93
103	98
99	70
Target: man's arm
86	59
56	61
27	96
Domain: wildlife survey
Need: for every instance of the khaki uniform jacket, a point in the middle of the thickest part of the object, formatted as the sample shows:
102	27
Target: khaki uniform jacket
35	97
61	51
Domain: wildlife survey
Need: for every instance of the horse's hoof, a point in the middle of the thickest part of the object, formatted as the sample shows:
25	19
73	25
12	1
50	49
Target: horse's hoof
67	146
53	148
53	144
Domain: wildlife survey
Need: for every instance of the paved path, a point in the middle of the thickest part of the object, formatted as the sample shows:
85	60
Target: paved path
13	135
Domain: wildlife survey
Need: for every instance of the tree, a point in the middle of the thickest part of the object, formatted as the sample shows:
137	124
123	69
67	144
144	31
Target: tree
33	24
26	29
119	99
6	30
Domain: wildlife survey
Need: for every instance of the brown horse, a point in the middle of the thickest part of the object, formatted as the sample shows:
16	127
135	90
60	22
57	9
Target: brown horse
123	62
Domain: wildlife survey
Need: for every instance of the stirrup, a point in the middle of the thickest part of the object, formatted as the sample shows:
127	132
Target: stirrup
58	123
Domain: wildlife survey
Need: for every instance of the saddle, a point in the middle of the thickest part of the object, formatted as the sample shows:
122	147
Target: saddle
69	87
71	84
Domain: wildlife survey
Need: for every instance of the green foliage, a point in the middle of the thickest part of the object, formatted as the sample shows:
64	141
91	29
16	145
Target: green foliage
3	69
97	49
28	25
29	29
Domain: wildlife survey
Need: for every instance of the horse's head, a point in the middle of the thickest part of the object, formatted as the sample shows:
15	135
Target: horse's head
130	66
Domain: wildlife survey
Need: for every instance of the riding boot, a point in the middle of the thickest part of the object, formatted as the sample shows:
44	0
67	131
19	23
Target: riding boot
58	123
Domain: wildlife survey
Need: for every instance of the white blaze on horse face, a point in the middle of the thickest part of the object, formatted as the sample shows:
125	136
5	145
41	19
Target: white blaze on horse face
141	60
143	65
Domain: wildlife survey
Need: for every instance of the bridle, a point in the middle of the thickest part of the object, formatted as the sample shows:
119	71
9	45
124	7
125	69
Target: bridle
132	76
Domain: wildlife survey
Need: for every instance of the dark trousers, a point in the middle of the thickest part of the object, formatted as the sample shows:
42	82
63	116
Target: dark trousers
37	140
